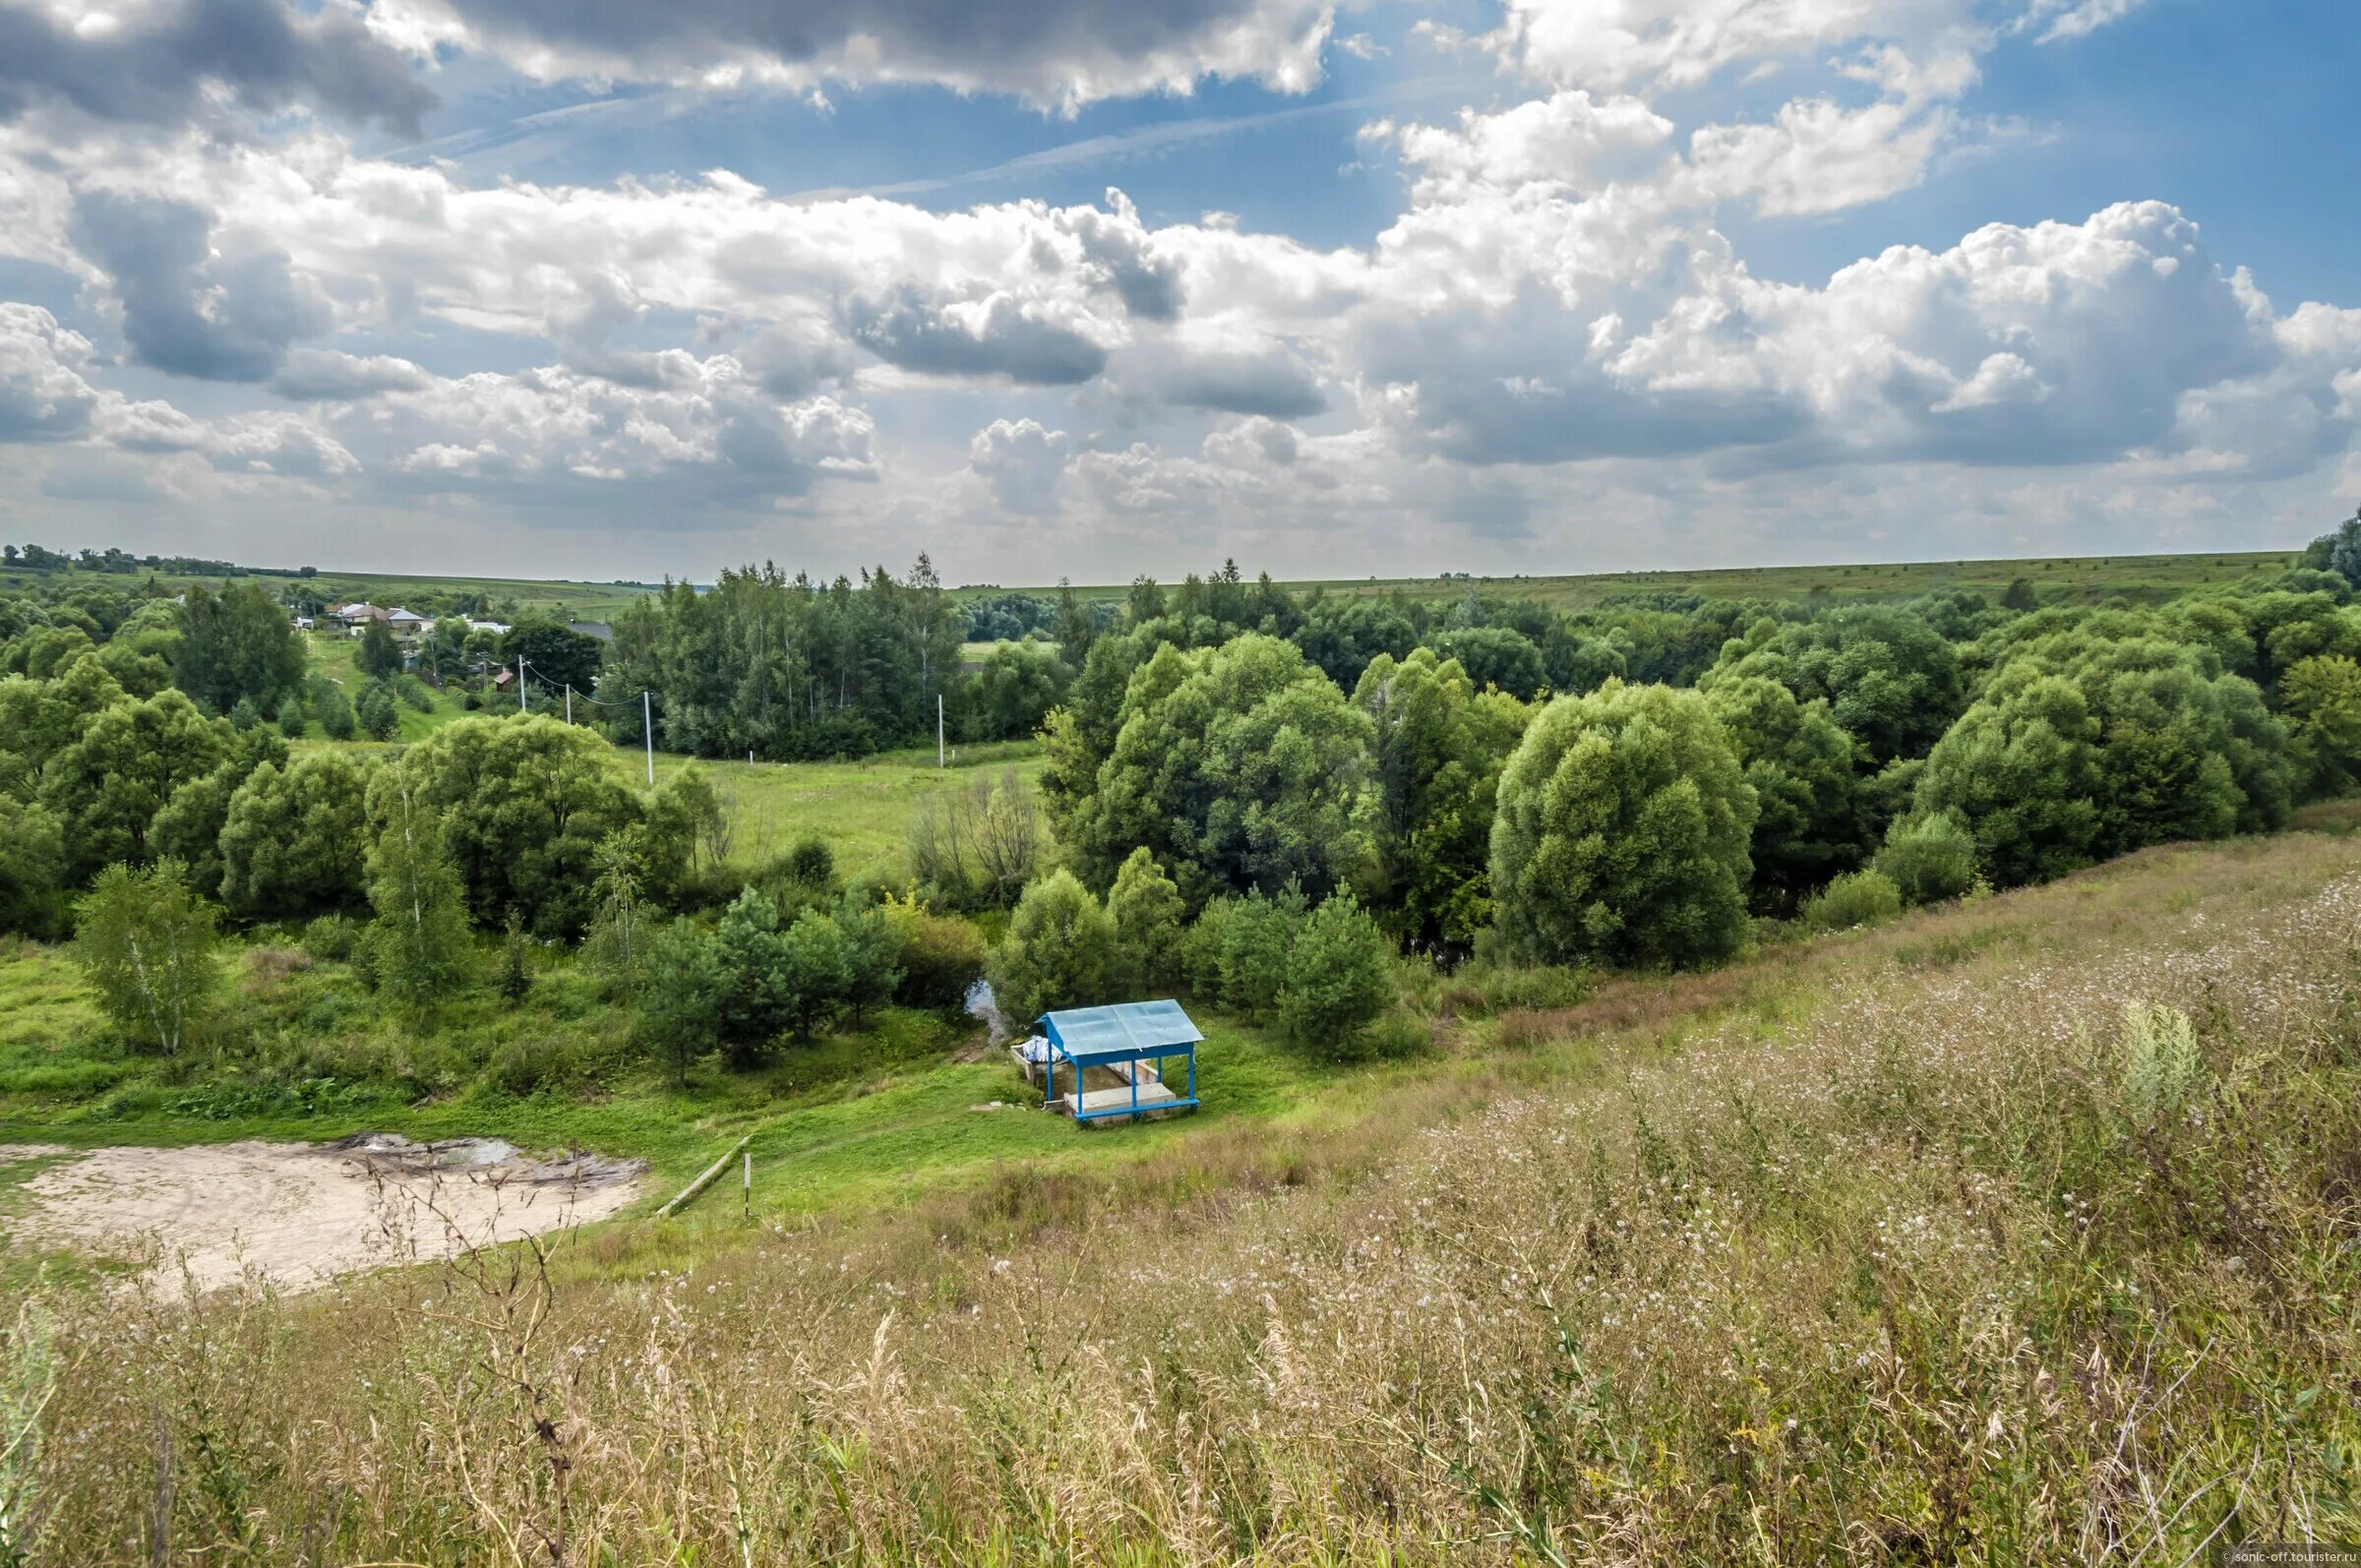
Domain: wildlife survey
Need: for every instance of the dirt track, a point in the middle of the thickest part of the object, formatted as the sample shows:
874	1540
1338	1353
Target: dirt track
299	1213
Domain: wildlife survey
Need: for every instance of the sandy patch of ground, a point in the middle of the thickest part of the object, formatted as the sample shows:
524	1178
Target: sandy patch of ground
299	1213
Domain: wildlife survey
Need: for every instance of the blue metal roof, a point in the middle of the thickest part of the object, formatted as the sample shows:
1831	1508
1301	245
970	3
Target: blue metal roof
1125	1030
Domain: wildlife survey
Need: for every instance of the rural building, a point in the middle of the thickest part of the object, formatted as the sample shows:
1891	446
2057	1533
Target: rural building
1113	1062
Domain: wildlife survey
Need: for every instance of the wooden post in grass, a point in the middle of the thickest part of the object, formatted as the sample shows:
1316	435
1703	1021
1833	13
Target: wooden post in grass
712	1173
747	1210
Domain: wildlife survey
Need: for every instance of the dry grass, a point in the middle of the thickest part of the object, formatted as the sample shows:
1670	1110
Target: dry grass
1902	1246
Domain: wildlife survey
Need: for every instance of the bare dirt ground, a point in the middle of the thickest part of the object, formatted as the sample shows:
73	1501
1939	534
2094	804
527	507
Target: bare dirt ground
299	1213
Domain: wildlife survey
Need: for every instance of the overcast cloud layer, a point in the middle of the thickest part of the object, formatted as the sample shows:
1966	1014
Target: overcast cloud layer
241	314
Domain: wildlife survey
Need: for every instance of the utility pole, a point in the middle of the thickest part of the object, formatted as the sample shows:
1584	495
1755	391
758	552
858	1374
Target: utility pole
520	683
938	729
647	732
569	702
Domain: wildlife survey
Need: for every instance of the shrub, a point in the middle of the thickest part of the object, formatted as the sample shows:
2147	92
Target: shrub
811	863
1396	1037
1928	857
293	717
333	938
515	963
526	1063
943	956
1856	898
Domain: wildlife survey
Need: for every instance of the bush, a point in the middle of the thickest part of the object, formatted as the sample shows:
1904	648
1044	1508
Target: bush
245	714
1857	898
811	863
333	938
1928	857
413	694
527	1063
1396	1037
293	717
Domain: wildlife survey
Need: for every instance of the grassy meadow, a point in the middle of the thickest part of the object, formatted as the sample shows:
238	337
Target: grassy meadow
2012	1231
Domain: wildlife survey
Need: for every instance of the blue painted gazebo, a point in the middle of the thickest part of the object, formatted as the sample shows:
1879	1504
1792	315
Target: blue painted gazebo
1123	1039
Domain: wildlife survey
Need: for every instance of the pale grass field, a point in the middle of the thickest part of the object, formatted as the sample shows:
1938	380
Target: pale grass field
1902	1246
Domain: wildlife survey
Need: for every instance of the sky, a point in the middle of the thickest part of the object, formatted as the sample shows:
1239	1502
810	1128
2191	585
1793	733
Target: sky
1089	288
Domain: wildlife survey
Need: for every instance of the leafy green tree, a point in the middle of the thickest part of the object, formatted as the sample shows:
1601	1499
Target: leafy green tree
294	717
379	652
188	827
1801	765
1439	749
525	804
40	718
293	840
107	787
33	865
1579	664
818	969
1343	636
2319	698
1146	910
1929	859
147	946
2342	552
419	944
2020	769
1622	832
237	643
555	656
1059	951
1888	678
872	951
1012	691
1340	979
1239	767
681	1013
1496	656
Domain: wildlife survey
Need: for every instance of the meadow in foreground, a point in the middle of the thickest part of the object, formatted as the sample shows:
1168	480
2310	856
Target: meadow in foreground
2016	1231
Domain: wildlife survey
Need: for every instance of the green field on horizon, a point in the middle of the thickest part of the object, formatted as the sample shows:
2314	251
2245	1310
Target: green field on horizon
2142	578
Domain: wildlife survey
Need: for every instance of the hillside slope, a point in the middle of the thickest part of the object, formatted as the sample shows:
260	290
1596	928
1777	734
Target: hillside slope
2017	1231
